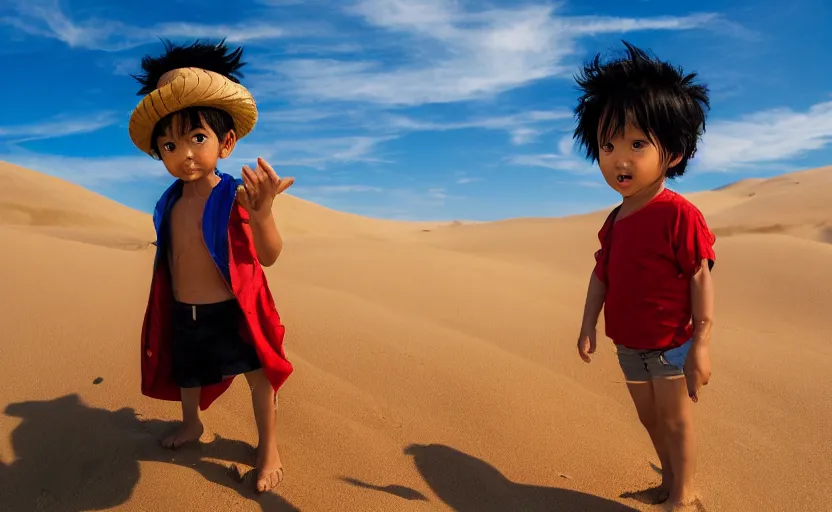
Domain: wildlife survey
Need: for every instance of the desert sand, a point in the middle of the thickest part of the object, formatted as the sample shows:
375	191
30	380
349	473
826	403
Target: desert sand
435	364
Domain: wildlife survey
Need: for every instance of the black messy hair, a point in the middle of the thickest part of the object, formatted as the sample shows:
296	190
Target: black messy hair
658	98
212	57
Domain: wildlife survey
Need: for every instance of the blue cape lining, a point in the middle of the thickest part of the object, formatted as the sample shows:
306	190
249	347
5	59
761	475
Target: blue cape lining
215	220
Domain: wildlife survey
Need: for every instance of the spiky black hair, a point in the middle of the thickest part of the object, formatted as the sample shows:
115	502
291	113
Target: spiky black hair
660	99
213	57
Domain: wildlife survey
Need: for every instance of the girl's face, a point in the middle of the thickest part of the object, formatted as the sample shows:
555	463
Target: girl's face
194	154
629	162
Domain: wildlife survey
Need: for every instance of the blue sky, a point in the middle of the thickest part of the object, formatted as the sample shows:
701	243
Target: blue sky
416	109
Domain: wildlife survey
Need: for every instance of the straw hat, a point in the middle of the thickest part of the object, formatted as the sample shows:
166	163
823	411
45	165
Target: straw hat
184	87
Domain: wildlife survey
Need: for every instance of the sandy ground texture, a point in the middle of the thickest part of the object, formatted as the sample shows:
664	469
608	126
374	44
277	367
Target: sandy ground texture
435	364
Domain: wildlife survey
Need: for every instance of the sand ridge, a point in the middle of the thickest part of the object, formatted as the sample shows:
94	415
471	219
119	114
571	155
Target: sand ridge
435	363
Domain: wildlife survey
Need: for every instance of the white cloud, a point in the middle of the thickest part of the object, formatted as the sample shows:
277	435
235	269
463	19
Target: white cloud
419	199
316	153
399	203
437	193
322	49
60	126
87	171
524	135
312	153
452	54
46	18
522	128
283	3
496	123
747	143
456	55
592	25
464	178
764	137
564	160
583	183
336	189
519	126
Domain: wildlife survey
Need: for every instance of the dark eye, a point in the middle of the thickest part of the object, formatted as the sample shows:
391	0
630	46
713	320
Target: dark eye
200	138
169	146
639	144
607	147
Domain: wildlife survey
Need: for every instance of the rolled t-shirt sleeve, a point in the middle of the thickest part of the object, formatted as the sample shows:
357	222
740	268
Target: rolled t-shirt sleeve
694	241
600	269
601	254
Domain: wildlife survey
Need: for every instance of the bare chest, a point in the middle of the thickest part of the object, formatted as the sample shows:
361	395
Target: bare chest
186	227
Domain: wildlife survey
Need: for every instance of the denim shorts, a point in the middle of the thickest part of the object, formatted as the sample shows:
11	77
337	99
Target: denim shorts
644	365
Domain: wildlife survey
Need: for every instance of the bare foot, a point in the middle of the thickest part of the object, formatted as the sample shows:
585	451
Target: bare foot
691	504
186	433
269	467
663	492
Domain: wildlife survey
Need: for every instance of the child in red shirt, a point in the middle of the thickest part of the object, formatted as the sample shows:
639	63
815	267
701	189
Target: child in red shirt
640	119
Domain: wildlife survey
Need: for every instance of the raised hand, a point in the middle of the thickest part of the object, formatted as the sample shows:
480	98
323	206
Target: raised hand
261	186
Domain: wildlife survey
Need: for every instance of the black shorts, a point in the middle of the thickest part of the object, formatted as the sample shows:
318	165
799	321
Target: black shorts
207	346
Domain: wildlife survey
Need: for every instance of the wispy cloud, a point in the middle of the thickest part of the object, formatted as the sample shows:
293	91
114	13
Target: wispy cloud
87	171
60	126
420	199
336	189
760	138
395	202
764	137
463	178
381	126
316	153
565	159
283	3
457	55
582	183
449	53
47	18
312	153
523	127
592	25
437	193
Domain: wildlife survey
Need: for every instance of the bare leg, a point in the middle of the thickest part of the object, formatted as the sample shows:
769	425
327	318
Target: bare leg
191	428
269	467
644	400
675	414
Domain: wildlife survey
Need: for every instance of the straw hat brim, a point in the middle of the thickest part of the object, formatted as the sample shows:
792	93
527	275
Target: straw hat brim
192	87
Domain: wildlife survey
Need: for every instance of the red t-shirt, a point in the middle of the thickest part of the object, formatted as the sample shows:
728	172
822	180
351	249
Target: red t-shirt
646	262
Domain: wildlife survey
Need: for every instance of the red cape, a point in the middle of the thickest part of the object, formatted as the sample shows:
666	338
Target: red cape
230	241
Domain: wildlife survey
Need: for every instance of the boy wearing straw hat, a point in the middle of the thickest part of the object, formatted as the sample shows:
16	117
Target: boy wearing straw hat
210	315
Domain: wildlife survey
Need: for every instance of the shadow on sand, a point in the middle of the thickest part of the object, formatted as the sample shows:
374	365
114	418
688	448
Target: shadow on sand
467	484
70	457
405	493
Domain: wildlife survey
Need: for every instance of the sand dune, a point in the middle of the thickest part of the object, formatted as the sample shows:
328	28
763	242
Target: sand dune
435	364
301	218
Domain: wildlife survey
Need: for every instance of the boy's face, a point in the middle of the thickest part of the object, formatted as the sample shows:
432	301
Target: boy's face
629	162
194	154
